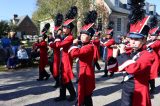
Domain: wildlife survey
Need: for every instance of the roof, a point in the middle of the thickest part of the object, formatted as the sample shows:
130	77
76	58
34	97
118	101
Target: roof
117	9
20	19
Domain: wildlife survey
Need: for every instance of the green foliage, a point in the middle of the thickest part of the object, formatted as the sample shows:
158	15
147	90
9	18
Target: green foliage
47	9
13	27
4	27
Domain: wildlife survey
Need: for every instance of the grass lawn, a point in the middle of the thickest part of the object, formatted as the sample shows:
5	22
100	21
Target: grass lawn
27	44
3	68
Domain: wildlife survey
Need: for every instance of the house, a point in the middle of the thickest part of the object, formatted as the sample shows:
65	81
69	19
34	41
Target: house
150	9
24	25
118	11
119	15
47	20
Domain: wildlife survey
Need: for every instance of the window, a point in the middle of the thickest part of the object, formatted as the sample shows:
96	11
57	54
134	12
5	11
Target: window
118	24
128	6
154	12
147	7
117	3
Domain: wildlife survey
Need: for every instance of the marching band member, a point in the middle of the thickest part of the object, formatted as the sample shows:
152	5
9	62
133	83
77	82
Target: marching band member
155	45
86	82
66	61
96	42
56	50
43	54
135	91
108	44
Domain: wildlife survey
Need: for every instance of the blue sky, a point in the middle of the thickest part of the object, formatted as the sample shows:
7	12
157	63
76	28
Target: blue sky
157	3
20	7
27	7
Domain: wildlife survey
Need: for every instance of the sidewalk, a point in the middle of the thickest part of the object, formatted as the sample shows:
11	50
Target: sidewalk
20	88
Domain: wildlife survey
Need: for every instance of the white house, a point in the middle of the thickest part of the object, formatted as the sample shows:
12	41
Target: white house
43	22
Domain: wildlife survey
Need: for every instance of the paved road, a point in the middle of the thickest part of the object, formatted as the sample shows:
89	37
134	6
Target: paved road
20	88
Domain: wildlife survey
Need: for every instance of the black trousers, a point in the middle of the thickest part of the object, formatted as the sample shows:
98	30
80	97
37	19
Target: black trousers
88	101
51	70
97	65
23	62
51	67
43	74
106	72
127	92
152	84
70	88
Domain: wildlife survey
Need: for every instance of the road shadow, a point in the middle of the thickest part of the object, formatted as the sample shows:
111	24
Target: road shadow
29	91
100	79
114	103
20	74
51	102
22	83
25	84
107	90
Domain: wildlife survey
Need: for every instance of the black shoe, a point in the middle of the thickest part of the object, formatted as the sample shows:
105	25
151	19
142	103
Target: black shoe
99	68
122	82
151	96
105	75
60	99
47	77
72	98
152	91
56	86
40	79
111	75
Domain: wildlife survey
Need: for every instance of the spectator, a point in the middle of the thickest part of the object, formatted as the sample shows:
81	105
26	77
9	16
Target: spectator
12	61
22	56
34	52
15	42
6	44
0	44
50	37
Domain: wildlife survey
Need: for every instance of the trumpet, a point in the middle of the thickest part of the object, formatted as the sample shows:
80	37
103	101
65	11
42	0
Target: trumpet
118	46
115	46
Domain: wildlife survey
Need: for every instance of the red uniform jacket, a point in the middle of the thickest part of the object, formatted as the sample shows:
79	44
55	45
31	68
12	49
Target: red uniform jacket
108	44
156	65
140	69
43	54
66	62
86	83
96	43
56	59
156	47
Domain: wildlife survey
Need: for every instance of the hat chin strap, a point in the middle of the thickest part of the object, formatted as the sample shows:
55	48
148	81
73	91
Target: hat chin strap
85	43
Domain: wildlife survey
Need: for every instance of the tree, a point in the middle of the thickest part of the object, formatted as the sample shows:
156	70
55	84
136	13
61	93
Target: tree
49	8
12	27
4	27
103	11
